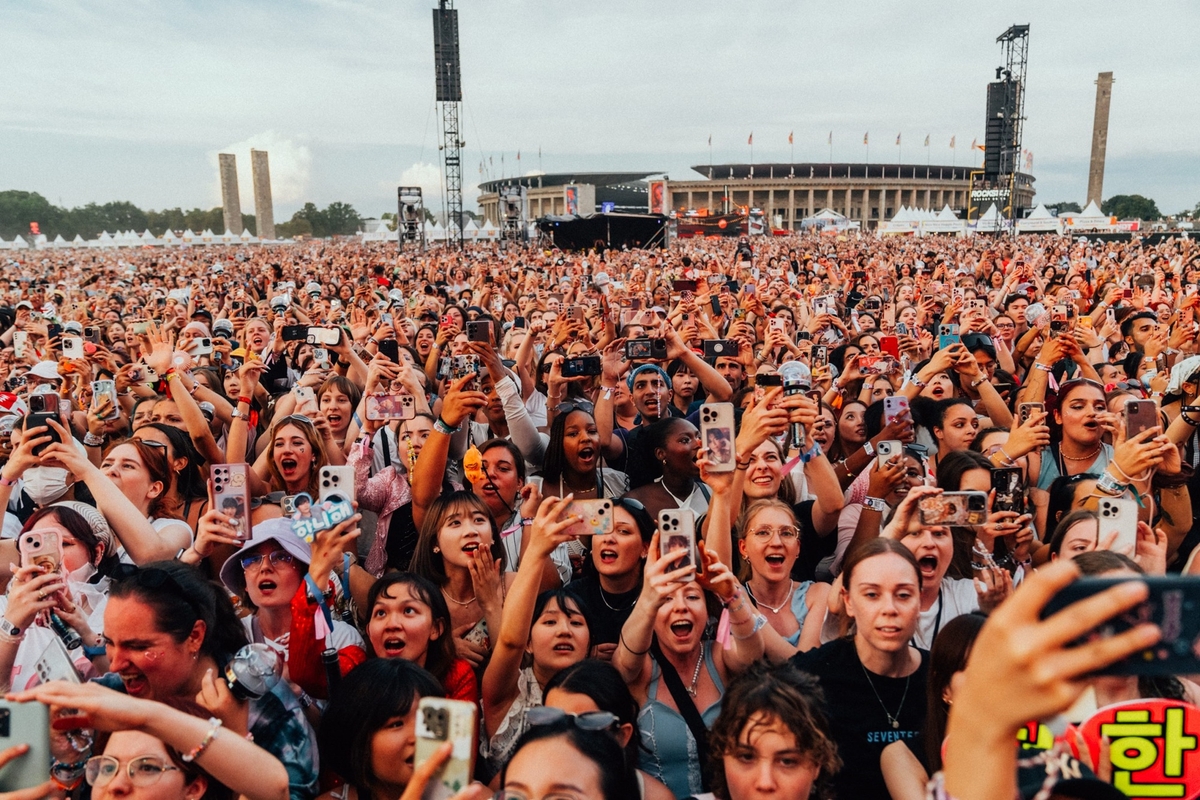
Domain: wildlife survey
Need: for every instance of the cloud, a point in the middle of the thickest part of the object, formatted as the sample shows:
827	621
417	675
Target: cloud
429	178
290	165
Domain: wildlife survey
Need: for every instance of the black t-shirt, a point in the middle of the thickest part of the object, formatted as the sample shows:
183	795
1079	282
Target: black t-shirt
606	613
856	706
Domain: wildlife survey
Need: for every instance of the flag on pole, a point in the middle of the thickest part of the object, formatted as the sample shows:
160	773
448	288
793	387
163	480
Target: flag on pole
1028	160
710	140
975	144
790	137
865	135
897	139
952	142
831	137
927	140
751	139
518	155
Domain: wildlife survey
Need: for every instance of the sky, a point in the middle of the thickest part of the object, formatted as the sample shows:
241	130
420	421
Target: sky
133	99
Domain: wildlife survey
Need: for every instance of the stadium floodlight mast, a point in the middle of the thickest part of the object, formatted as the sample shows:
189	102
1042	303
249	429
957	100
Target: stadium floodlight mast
410	217
448	79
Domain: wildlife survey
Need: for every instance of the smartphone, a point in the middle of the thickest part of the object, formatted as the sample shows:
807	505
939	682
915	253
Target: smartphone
519	323
777	324
717	435
1027	410
54	330
1173	604
20	340
890	345
821	306
72	347
141	327
716	306
390	406
718	348
901	330
295	333
479	330
1119	515
597	517
439	721
304	394
873	365
947	339
948	329
231	495
954	508
311	518
677	531
642	349
683	286
28	724
107	388
55	664
1010	495
1140	415
41	548
203	346
390	348
336	481
40	419
91	334
581	366
820	355
324	336
886	450
576	313
894	407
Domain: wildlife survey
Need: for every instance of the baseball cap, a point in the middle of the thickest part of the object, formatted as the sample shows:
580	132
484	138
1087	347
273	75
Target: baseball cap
73	327
25	304
46	370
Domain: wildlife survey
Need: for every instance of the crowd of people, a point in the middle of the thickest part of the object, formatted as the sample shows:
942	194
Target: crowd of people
740	519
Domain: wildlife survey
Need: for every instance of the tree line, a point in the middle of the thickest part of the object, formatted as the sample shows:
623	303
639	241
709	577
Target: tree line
19	208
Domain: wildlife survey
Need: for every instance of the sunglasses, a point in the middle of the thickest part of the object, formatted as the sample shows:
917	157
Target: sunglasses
589	721
276	557
579	405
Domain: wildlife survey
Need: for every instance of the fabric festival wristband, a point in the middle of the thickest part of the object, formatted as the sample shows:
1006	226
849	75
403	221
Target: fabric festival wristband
442	427
245	400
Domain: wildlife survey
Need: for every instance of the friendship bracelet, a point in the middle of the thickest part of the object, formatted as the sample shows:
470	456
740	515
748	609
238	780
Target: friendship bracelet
208	739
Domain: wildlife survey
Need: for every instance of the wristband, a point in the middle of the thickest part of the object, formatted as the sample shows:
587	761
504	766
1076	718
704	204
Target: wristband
760	622
91	440
1110	485
6	482
1043	367
917	382
357	419
245	400
442	427
875	504
94	652
813	452
205	742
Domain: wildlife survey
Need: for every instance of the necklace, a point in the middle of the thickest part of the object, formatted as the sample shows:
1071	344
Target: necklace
895	721
696	674
455	600
678	503
787	598
576	492
611	607
1088	457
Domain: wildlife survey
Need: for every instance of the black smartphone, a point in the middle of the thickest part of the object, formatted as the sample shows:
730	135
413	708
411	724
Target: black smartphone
54	330
1173	605
683	286
1010	495
295	333
581	366
40	419
519	323
390	348
479	330
717	348
769	379
716	306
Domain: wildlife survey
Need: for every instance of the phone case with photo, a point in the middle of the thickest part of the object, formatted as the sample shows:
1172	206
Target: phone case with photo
717	435
231	495
677	530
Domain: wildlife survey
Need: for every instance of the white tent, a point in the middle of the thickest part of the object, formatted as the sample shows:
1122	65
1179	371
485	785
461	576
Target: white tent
437	233
828	220
105	239
189	237
60	243
944	222
1091	219
208	236
78	241
147	238
3	244
228	237
489	231
471	230
1040	220
991	221
906	222
169	237
19	243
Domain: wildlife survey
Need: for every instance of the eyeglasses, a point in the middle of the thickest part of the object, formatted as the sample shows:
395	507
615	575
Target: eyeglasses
508	794
143	771
588	721
785	532
276	557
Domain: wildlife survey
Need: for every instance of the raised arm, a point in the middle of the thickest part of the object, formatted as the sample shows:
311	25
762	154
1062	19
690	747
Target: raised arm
458	407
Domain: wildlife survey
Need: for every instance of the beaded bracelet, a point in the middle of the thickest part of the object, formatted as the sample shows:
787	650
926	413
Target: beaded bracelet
208	739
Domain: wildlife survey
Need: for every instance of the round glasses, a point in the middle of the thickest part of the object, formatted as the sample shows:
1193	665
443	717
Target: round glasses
143	771
276	557
785	532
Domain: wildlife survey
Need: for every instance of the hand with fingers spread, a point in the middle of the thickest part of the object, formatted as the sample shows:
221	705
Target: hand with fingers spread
31	592
993	585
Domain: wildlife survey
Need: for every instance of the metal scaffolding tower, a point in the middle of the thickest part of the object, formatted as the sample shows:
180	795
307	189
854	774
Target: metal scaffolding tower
449	97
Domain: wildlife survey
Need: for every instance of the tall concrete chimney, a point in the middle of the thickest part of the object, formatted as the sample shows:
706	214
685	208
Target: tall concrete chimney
264	209
230	199
1095	189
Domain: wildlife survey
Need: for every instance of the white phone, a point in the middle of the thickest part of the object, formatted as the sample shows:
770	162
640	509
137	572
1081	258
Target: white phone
677	530
336	480
72	347
886	449
20	340
1119	515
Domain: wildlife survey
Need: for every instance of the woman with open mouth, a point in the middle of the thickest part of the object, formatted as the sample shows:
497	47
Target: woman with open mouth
267	575
675	443
407	617
666	660
874	679
769	543
550	628
293	458
572	464
338	397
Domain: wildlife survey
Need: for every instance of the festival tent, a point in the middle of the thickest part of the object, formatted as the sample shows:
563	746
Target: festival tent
78	241
188	237
248	238
208	236
1040	220
18	243
471	231
907	222
3	244
228	237
169	238
437	233
944	222
1091	219
489	231
147	238
828	220
991	221
60	243
105	239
